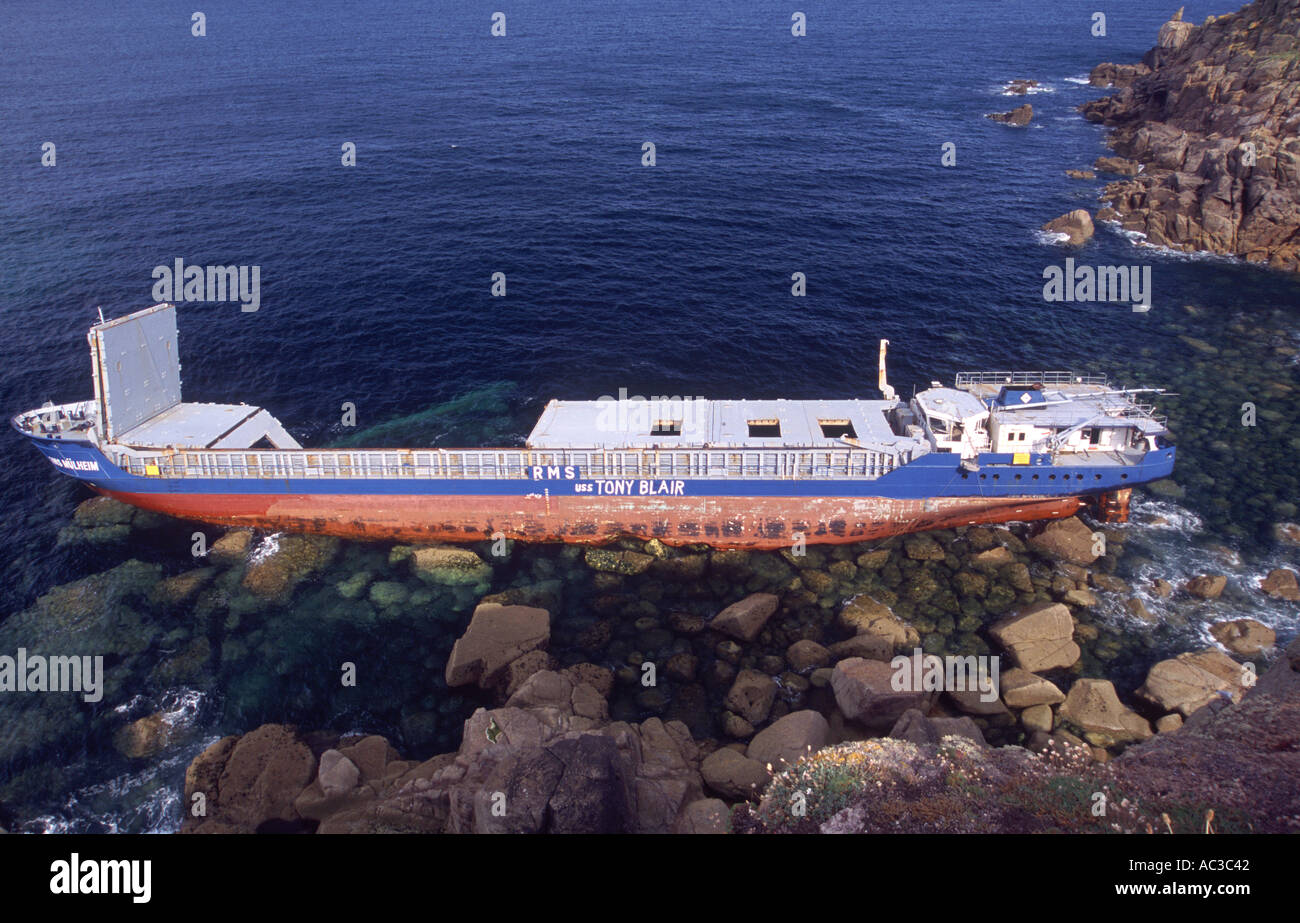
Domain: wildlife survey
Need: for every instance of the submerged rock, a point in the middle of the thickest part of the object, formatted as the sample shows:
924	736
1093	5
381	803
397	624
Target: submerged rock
275	573
448	565
744	620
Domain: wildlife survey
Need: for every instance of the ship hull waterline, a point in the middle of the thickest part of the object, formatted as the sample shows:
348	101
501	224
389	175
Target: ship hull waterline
721	522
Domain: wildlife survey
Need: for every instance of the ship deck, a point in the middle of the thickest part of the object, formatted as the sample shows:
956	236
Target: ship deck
700	423
209	426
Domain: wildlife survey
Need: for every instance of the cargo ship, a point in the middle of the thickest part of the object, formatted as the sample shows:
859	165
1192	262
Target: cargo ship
995	447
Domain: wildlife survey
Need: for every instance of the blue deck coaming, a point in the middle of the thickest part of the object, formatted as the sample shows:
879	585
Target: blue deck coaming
930	476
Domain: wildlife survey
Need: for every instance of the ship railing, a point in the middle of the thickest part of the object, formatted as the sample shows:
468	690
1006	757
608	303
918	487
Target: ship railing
509	464
966	379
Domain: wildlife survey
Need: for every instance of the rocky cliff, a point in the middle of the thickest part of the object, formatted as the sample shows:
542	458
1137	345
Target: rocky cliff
1212	116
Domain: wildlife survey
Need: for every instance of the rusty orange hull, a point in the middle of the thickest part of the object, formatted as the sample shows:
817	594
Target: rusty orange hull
721	522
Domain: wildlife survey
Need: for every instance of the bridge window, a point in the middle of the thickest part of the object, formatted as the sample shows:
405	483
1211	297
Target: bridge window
765	429
666	428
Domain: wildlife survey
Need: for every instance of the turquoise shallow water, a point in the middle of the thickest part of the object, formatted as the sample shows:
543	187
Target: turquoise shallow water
522	155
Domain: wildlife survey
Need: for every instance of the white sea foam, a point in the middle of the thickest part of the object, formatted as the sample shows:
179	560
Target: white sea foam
1005	90
267	547
1051	237
1175	547
1079	81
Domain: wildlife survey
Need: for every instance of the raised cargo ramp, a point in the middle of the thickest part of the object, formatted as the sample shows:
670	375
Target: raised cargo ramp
137	369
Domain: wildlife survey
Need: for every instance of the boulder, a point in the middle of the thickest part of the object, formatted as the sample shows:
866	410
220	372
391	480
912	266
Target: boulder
231	548
787	739
1093	706
599	678
251	780
337	775
281	562
1077	227
1206	586
1037	718
992	559
734	775
1040	637
865	694
1068	540
972	702
872	647
913	726
964	726
178	590
521	668
744	620
865	616
1189	681
496	636
613	561
1245	637
921	546
545	688
806	655
751	696
144	737
449	565
1022	689
1281	584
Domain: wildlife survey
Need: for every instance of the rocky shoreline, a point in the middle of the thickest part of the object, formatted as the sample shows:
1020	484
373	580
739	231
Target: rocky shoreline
684	684
788	689
1207	129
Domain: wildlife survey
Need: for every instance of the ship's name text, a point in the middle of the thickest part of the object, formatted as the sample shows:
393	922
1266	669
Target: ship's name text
631	487
72	464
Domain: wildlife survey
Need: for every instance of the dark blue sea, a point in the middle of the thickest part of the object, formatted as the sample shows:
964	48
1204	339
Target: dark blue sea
522	155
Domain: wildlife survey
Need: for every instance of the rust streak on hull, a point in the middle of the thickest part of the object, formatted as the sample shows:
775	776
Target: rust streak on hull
741	522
